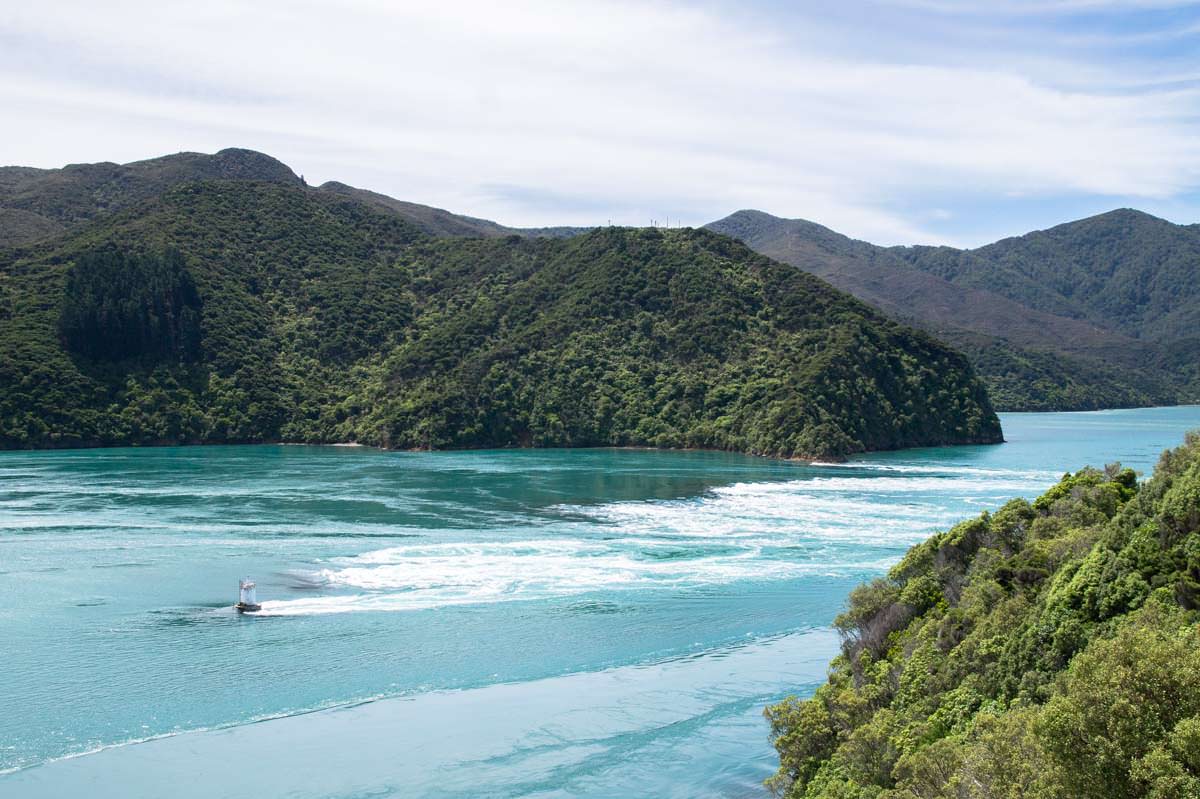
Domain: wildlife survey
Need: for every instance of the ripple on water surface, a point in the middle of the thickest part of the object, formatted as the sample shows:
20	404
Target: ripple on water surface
507	595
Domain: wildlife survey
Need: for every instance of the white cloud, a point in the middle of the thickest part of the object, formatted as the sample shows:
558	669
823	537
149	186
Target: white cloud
638	110
978	7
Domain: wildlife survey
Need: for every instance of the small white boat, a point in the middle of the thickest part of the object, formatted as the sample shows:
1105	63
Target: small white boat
247	599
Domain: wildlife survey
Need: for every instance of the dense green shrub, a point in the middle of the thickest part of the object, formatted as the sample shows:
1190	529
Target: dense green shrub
1046	650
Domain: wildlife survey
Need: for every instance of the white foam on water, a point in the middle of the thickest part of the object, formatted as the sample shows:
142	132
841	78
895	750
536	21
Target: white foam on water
1003	483
429	576
916	468
887	510
825	525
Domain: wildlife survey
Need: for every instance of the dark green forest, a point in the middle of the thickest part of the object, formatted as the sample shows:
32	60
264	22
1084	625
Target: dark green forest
119	305
1047	650
244	311
1029	379
1125	272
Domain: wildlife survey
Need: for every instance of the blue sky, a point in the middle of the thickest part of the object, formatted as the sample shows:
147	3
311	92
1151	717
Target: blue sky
897	121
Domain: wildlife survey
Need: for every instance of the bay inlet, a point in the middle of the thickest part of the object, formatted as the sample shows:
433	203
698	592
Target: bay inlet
495	623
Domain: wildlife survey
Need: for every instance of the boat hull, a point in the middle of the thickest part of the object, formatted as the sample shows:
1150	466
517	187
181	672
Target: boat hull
246	607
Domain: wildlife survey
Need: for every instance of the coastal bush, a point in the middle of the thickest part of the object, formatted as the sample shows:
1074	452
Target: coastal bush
1048	649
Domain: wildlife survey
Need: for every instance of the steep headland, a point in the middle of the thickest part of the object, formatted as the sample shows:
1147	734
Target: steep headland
1047	650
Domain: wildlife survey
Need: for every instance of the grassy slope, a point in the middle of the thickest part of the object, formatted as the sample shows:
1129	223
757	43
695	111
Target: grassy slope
1044	650
327	319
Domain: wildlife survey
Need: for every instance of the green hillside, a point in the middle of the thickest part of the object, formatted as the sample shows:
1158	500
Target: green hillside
1006	306
1092	314
235	310
1124	270
1047	650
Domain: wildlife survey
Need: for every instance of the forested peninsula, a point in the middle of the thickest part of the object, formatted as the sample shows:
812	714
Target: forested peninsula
229	302
1048	650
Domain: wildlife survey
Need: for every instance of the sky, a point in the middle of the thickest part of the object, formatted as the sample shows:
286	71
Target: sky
896	121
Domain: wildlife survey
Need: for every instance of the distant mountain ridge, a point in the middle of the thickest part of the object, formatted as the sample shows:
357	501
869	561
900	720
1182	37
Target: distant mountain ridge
36	204
437	222
1090	314
1125	270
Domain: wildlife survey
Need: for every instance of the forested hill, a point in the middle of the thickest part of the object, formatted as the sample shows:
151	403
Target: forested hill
1123	270
1091	314
241	310
1045	651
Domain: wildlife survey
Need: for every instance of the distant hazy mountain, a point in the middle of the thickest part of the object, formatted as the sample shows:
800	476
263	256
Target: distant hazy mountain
1095	313
36	204
1124	270
437	222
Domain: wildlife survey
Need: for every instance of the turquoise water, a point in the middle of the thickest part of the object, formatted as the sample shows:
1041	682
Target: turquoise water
519	623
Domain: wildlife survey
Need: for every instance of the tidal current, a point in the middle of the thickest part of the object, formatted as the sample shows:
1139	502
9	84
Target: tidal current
551	623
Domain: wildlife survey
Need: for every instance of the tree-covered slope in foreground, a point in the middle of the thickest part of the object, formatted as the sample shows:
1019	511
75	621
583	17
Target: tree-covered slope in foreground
229	311
1048	651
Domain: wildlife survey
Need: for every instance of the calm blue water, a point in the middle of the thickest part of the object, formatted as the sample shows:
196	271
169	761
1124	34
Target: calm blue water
519	623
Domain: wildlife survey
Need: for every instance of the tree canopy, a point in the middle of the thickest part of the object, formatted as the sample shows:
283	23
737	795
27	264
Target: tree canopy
1045	650
120	305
